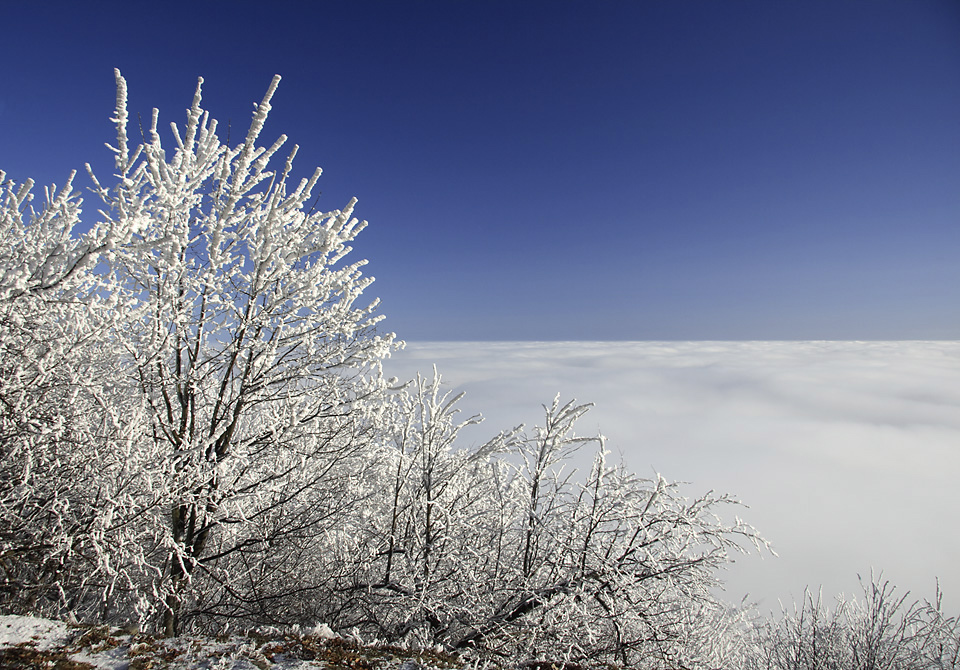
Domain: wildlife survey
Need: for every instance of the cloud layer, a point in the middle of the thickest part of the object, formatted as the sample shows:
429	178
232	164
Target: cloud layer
847	453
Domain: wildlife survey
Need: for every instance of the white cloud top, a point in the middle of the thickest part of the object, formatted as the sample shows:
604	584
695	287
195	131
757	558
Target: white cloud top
848	453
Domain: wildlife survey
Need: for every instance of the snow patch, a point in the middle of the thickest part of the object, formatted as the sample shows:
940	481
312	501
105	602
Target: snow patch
41	633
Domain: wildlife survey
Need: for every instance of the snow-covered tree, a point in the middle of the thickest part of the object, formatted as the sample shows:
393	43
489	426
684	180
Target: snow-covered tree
234	366
506	549
608	565
425	552
56	427
244	338
879	631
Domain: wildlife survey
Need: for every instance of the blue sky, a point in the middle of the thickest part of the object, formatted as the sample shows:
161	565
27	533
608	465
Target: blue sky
565	170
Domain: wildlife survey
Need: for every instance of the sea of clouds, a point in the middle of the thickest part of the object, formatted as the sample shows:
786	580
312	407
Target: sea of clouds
847	453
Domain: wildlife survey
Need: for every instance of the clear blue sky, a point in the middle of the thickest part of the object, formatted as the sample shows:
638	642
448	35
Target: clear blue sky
564	170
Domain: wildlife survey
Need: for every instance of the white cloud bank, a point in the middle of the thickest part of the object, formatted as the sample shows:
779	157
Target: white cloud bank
847	453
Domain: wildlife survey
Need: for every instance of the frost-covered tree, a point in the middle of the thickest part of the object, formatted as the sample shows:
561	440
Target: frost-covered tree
935	642
244	338
811	637
234	368
506	549
429	545
879	631
618	561
57	414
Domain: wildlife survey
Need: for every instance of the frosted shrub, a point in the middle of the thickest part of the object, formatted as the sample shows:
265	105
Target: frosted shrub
239	367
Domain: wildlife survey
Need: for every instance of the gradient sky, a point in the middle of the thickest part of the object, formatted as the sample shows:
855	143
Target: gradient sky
564	170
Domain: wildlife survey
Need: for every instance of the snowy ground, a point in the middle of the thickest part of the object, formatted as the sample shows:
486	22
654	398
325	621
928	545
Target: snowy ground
31	642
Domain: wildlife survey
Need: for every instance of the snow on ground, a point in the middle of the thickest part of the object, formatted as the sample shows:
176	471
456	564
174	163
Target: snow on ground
43	633
30	642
